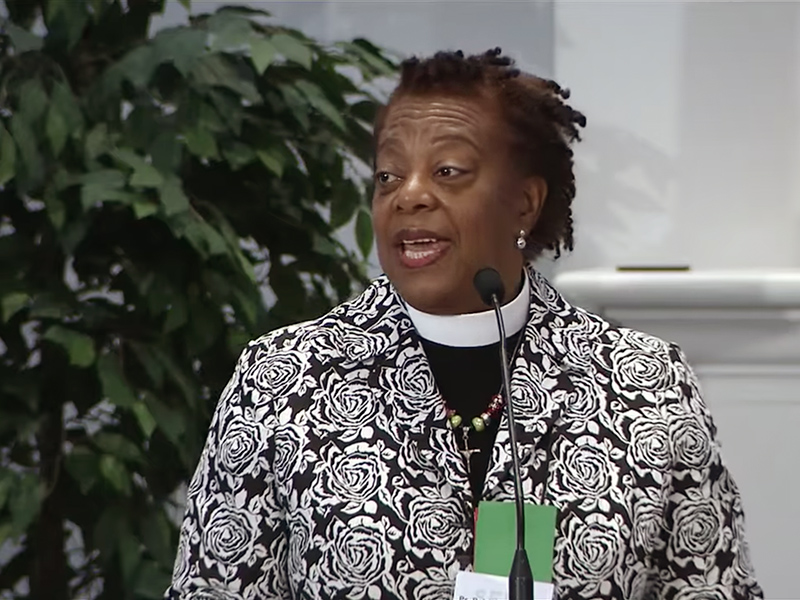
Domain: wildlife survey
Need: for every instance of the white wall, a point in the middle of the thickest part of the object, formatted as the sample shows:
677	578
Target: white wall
692	153
692	157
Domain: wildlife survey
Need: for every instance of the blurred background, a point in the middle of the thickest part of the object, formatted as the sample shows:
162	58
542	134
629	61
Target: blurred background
693	145
691	159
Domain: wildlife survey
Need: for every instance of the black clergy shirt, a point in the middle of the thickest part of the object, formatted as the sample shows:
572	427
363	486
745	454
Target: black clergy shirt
467	378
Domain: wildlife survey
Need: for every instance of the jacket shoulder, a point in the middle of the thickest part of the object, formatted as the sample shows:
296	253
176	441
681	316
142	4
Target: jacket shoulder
356	322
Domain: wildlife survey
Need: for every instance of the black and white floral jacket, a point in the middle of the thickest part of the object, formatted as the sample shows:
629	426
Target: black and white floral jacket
329	470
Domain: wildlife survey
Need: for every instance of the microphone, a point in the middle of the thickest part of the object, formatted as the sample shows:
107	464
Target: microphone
490	287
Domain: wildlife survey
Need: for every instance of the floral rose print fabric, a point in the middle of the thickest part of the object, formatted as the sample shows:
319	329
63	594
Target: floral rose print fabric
329	470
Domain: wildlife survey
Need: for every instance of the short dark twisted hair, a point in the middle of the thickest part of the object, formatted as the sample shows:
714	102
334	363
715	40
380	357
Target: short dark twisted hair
541	124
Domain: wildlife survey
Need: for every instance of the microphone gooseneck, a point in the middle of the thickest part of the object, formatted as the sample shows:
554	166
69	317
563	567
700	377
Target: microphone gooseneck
489	286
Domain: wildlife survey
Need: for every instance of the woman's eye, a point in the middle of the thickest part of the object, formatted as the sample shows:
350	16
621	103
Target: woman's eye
448	171
384	177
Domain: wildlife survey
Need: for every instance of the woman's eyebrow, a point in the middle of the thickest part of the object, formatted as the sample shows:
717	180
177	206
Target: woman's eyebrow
454	137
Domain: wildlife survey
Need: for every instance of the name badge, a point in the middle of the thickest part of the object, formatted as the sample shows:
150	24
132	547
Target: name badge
477	586
496	539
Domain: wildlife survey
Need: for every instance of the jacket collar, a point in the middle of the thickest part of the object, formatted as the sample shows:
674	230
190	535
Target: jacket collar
551	329
555	345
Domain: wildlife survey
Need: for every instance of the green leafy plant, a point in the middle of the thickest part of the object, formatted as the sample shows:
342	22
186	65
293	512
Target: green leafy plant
163	199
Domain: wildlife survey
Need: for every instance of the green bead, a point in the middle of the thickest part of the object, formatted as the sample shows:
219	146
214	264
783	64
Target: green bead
455	421
478	424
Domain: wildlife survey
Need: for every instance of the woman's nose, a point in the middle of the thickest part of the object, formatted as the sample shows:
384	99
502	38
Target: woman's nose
415	195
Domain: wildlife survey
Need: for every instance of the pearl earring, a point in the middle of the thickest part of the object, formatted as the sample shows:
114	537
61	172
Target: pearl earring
521	241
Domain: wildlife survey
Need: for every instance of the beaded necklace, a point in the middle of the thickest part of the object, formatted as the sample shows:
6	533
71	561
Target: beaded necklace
482	421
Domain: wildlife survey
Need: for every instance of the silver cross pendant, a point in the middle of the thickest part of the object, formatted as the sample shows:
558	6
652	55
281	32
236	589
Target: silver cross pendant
467	452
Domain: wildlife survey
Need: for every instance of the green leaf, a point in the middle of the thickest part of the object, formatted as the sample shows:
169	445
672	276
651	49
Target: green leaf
324	245
48	306
73	234
262	53
112	179
73	117
245	10
130	556
229	31
84	467
297	103
79	346
7	480
56	210
33	101
187	4
369	56
150	363
65	20
173	197
274	154
13	303
118	446
97	142
166	151
56	129
139	65
25	501
109	528
113	382
293	49
156	535
6	532
151	581
317	99
229	106
177	316
115	473
22	40
220	70
146	421
170	421
204	238
144	174
8	156
201	143
144	208
272	160
183	46
209	119
31	163
238	155
344	203
100	186
364	232
184	383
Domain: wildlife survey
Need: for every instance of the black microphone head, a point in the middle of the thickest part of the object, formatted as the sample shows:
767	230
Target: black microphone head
488	283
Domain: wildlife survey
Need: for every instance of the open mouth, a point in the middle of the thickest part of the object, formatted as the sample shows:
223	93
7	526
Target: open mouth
421	252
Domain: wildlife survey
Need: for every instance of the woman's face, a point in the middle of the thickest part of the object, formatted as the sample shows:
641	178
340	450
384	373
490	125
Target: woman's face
447	201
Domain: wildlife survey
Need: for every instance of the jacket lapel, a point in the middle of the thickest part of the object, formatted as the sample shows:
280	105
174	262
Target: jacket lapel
413	402
554	347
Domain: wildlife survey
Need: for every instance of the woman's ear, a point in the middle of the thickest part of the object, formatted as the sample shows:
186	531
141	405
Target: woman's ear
534	194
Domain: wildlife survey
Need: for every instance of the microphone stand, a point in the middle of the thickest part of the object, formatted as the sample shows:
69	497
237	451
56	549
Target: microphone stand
520	580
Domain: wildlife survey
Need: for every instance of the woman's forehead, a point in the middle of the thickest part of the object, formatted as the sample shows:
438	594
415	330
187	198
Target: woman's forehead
440	115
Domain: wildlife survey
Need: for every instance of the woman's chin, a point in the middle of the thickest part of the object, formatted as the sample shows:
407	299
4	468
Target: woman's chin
437	296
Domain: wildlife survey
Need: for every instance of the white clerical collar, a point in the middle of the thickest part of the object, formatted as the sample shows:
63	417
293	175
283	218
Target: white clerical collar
474	329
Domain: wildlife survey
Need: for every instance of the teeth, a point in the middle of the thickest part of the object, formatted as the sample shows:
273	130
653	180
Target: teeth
425	241
416	255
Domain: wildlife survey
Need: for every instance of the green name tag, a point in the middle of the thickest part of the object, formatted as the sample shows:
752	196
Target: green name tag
496	539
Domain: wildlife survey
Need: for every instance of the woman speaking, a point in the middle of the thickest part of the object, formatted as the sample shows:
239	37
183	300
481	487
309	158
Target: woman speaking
347	454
